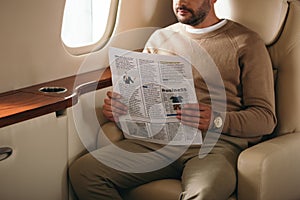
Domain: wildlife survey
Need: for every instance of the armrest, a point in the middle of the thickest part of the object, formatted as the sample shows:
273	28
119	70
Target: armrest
270	170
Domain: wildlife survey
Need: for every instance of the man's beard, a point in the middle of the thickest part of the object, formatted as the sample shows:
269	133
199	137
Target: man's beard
197	17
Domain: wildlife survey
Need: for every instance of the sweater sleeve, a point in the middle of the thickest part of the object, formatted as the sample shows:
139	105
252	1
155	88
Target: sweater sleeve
257	117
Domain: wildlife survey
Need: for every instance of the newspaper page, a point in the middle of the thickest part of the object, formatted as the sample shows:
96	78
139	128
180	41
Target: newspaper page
153	87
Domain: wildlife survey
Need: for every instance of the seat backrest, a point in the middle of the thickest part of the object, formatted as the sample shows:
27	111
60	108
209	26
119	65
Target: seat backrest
278	23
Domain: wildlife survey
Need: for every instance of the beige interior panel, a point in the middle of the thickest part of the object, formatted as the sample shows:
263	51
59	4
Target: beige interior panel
37	167
84	124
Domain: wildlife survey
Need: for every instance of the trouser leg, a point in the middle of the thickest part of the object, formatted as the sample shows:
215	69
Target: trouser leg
215	181
91	179
212	177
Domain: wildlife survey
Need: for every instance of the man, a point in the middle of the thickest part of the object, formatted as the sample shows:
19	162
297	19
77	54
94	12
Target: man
245	67
127	79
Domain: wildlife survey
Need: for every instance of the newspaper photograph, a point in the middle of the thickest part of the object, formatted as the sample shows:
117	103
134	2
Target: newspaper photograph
154	87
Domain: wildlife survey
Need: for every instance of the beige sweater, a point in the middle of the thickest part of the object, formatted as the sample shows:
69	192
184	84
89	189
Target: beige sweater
243	63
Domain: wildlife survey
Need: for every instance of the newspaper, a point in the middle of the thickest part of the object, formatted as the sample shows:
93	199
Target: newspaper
154	87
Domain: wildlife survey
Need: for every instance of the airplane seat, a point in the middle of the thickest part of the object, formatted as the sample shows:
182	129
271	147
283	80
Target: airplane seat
270	169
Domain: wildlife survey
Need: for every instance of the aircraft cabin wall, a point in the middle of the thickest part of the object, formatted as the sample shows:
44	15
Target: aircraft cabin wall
32	52
31	47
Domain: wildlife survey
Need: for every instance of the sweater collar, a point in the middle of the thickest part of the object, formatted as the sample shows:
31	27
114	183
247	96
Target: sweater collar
208	34
207	29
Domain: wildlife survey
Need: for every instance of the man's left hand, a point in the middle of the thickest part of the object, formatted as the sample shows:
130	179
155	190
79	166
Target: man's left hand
195	115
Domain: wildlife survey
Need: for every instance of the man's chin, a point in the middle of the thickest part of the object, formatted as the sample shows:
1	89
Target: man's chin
184	22
183	19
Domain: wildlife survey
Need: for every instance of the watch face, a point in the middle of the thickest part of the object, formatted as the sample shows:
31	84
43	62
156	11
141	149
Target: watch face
218	122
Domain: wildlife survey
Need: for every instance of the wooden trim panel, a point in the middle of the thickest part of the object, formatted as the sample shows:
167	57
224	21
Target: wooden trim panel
27	103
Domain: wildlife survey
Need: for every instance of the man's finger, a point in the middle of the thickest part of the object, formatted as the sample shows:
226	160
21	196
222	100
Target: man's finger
113	95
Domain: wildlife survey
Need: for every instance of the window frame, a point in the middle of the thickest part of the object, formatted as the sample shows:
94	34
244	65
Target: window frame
111	21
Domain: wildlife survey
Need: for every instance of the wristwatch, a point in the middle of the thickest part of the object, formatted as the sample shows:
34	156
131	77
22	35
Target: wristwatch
218	121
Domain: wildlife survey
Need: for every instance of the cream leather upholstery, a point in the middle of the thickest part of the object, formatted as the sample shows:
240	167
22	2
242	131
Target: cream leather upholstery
269	170
264	17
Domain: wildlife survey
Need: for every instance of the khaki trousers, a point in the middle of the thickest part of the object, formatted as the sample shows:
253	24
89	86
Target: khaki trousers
102	174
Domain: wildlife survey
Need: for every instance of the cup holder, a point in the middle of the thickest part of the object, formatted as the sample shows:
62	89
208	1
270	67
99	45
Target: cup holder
57	90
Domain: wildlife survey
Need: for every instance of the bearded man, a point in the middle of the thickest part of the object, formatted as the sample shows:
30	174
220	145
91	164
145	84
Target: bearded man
242	60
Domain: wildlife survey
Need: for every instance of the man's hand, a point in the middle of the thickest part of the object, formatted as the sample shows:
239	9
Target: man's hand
112	107
195	115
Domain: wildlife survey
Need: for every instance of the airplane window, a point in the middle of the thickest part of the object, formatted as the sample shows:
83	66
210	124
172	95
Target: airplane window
84	22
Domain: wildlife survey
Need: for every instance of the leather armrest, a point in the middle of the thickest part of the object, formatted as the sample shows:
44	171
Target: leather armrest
270	170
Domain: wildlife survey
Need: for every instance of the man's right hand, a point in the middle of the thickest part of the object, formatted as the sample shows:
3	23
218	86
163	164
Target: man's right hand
112	107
